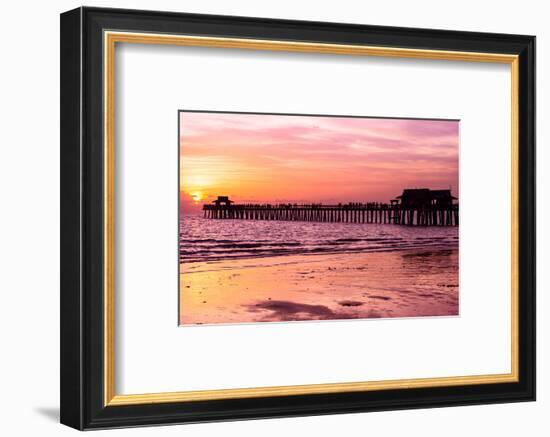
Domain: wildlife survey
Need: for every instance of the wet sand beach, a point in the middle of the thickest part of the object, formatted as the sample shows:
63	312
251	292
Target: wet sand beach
399	283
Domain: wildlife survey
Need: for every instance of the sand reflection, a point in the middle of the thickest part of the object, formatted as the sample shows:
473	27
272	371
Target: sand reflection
405	283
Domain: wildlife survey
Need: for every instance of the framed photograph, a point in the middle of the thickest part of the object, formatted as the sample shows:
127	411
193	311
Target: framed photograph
269	218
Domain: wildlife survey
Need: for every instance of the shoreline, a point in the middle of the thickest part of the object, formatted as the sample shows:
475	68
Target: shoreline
321	253
398	283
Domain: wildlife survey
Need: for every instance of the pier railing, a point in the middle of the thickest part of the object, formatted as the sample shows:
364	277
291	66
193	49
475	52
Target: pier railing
432	215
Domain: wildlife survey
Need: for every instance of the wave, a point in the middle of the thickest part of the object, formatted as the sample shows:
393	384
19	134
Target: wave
212	240
217	254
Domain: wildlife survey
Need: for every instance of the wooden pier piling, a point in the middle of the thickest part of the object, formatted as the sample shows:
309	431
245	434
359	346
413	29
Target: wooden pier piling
415	207
342	213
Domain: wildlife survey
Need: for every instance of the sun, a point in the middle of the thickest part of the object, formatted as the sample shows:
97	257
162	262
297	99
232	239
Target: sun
197	196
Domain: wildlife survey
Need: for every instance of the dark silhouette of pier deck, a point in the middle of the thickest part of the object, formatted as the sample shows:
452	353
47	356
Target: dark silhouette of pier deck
419	207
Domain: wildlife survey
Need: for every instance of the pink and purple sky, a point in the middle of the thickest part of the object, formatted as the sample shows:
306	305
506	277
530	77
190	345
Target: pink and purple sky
278	158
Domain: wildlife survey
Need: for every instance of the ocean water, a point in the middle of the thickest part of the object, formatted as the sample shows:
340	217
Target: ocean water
214	240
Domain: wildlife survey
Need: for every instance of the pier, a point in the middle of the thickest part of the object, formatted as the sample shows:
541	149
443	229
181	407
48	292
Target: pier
415	207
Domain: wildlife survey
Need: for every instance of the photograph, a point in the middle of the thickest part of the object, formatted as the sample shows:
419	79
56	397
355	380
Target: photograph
267	214
291	217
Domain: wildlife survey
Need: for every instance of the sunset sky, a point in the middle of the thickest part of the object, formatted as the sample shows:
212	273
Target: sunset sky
277	158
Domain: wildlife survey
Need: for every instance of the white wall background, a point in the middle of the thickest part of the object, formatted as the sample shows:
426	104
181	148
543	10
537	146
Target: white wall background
29	218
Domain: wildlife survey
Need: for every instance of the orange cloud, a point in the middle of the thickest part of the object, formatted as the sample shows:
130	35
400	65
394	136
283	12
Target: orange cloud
272	158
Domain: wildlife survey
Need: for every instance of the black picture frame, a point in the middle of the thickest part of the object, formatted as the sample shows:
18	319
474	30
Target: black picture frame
82	215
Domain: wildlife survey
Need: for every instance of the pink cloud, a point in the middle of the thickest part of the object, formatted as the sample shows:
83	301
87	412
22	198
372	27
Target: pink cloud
297	158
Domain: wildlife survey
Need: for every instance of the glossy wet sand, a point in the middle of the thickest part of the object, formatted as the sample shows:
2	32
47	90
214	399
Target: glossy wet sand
402	283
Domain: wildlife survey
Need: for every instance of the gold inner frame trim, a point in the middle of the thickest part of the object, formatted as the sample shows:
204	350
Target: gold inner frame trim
110	40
